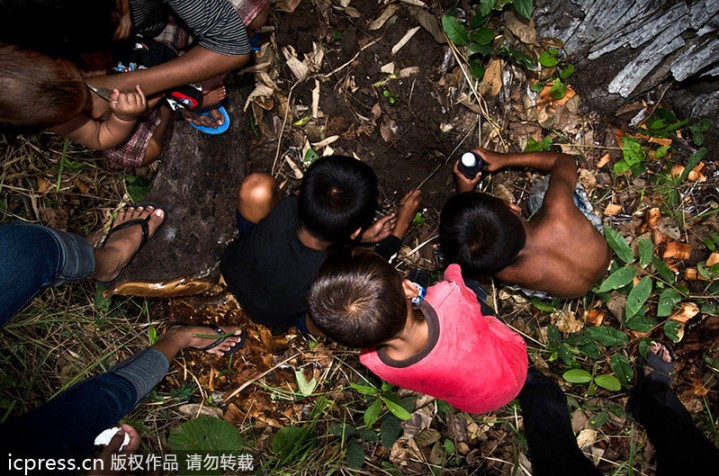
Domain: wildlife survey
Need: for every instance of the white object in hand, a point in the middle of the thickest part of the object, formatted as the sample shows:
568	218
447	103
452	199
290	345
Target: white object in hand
105	437
468	159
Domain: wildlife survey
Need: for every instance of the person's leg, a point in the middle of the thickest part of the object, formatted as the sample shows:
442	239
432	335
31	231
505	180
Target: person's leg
35	257
552	445
257	196
481	296
68	424
680	447
157	141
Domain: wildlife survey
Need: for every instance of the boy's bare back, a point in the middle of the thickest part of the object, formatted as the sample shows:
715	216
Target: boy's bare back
564	254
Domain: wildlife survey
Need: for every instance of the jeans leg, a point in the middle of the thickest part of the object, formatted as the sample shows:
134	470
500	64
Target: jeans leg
680	447
34	257
552	446
67	425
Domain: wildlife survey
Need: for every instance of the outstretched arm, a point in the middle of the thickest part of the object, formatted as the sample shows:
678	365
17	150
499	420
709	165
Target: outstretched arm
561	167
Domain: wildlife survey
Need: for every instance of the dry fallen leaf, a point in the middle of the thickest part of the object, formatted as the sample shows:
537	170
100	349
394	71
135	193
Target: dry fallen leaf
677	250
713	259
492	80
687	311
612	209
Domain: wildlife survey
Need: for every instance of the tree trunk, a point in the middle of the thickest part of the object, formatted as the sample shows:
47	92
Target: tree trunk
623	49
196	185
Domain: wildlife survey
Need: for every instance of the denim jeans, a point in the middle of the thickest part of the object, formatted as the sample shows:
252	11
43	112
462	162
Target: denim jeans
66	426
34	257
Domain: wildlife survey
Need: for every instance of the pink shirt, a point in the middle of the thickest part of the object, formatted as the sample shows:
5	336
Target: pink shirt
474	362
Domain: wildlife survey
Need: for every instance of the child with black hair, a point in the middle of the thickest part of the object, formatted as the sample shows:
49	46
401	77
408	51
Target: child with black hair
559	251
435	341
40	92
282	243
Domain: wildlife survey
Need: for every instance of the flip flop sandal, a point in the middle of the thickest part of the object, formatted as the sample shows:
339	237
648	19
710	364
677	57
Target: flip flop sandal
661	371
144	224
213	130
218	330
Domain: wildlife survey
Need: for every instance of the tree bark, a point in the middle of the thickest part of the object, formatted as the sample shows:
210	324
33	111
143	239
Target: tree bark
196	185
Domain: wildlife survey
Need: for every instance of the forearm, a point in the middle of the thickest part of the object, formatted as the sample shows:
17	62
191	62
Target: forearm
542	161
195	65
114	131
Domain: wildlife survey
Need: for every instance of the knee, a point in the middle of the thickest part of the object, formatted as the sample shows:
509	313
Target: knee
260	19
258	189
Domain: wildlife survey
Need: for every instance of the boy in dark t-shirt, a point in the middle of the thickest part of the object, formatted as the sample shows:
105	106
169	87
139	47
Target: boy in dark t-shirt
282	243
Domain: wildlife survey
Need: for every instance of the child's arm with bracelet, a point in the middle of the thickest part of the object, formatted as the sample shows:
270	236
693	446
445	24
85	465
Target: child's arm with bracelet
125	108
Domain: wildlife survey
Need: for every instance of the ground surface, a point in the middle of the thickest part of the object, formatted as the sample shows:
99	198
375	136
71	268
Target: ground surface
411	141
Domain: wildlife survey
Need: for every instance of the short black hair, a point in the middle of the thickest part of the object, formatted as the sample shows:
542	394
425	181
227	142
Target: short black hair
357	299
480	233
337	196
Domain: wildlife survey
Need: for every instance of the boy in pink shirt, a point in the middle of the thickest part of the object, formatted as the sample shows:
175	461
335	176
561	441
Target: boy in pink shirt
439	344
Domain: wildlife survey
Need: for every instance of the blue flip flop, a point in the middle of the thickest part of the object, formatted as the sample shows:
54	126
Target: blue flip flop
213	130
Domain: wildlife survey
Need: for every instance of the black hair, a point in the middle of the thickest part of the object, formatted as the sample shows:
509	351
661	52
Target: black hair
338	195
480	233
357	299
63	29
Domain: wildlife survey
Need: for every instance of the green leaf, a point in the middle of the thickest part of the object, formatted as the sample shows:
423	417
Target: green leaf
102	302
524	8
455	30
288	438
591	350
522	59
355	455
549	59
306	388
577	376
364	389
483	36
619	245
448	445
608	381
598	419
390	429
638	296
486	6
477	49
671	330
640	323
396	409
477	69
372	413
536	146
343	430
567	72
205	433
646	248
667	300
662	151
607	336
137	187
633	152
698	130
618	279
620	167
565	353
664	271
623	368
543	306
693	161
558	89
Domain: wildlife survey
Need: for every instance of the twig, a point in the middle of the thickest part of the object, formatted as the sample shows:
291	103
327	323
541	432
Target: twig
340	68
253	380
445	160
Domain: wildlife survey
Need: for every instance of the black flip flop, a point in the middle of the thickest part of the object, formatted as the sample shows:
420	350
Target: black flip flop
219	331
144	224
662	371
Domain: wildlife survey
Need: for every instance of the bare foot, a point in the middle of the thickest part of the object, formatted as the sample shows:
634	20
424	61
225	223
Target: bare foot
661	351
214	96
122	244
197	337
215	119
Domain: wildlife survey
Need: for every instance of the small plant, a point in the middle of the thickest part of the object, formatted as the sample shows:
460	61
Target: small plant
386	93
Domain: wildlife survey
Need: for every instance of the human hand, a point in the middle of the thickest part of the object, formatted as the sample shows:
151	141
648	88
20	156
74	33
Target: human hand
408	207
494	160
128	106
123	20
465	184
380	229
113	449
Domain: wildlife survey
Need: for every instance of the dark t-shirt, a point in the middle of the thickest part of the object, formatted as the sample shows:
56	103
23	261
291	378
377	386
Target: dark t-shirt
270	271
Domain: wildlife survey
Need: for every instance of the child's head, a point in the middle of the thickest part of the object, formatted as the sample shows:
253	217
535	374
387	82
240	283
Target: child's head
358	299
338	196
39	91
480	233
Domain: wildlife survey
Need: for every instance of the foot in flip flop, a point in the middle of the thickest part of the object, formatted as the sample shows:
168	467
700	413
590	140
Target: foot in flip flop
213	339
133	226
